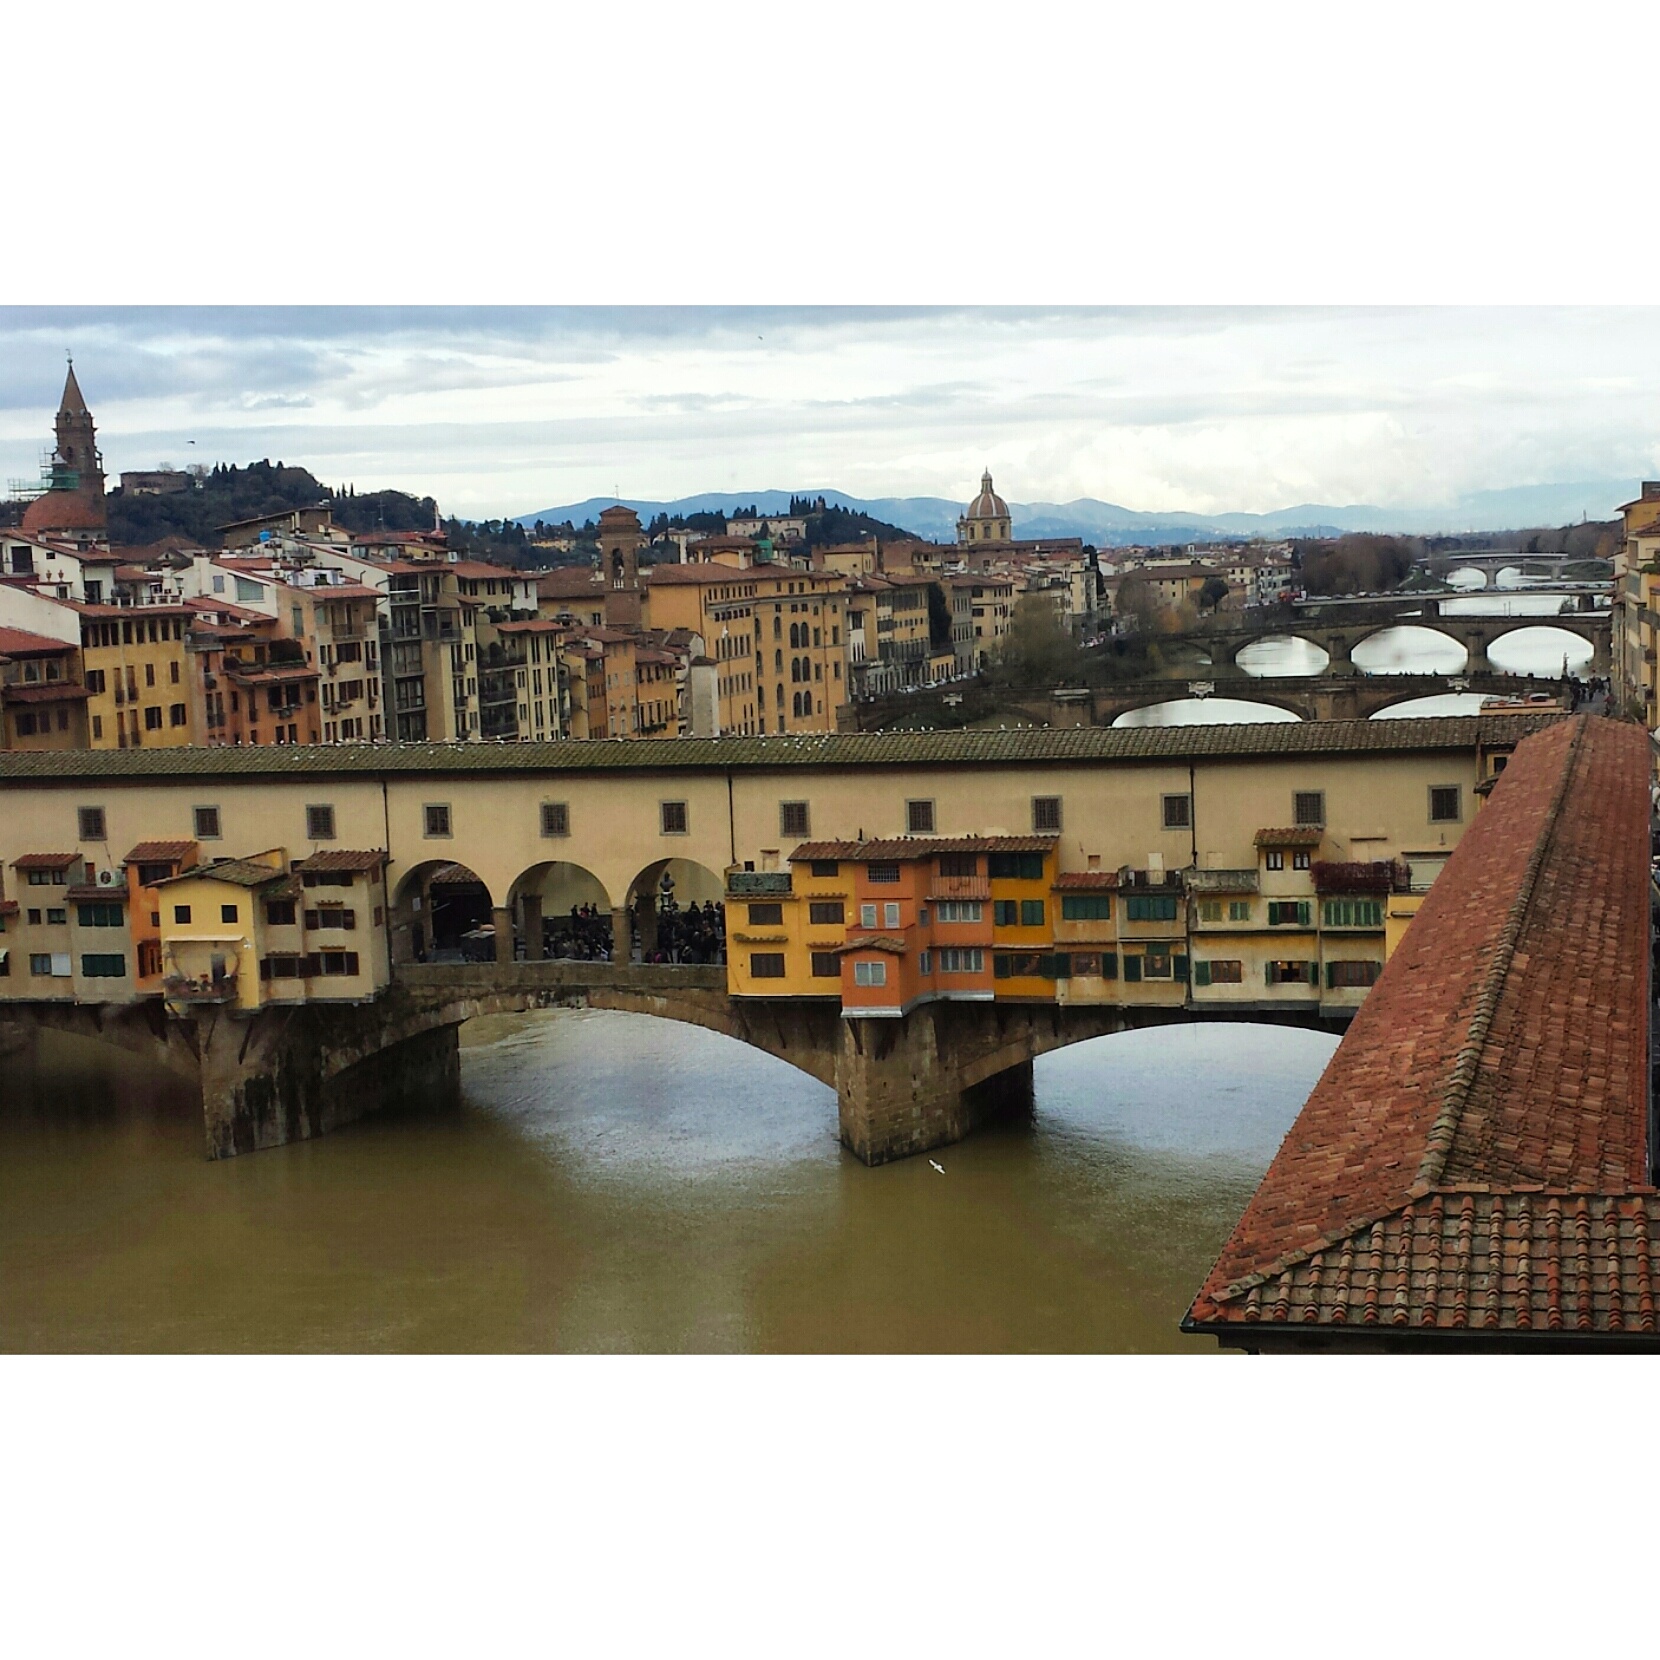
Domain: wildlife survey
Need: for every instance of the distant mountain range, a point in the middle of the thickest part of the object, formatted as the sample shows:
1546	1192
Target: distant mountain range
1106	525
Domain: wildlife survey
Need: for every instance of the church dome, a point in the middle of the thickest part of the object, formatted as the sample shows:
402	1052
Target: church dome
988	504
63	510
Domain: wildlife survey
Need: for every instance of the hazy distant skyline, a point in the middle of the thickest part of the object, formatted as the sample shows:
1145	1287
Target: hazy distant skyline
503	411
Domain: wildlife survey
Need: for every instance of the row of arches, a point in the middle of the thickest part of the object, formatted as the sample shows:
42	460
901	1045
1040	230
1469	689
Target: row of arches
1407	648
443	911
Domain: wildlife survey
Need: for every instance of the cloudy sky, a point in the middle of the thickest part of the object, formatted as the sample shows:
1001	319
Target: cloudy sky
508	410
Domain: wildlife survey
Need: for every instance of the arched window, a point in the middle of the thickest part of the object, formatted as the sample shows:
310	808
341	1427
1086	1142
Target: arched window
818	671
778	660
780	696
777	626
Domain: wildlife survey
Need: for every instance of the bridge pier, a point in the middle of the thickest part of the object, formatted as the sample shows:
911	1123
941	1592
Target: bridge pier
900	1091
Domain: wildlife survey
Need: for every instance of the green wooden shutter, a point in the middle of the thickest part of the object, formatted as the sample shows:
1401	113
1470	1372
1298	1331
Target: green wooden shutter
1331	975
1132	968
1314	974
1201	971
1179	963
1109	965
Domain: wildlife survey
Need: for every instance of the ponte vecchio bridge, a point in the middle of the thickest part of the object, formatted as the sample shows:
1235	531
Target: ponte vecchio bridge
524	832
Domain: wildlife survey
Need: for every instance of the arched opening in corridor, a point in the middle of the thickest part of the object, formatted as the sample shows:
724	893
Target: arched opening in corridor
677	912
561	912
442	914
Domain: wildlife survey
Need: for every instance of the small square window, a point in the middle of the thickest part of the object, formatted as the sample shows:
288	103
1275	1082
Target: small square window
1308	807
1178	812
227	913
1046	814
181	914
867	916
1300	859
674	818
319	823
1445	806
792	818
919	818
890	913
556	818
435	817
1273	860
207	823
91	821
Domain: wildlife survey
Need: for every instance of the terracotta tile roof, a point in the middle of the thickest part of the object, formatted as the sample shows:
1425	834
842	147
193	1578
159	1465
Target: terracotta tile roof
58	691
1059	746
157	853
1297	835
19	642
91	890
1090	879
45	861
900	848
1489	1103
343	858
243	873
894	943
8	907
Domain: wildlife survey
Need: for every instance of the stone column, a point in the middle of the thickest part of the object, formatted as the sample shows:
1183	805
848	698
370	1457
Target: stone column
646	910
503	919
1338	651
1475	645
530	908
622	935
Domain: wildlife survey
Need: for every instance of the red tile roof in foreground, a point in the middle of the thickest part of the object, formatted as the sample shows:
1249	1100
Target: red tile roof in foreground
157	853
1474	1160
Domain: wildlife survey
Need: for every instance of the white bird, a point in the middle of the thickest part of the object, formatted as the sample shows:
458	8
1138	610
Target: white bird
939	1167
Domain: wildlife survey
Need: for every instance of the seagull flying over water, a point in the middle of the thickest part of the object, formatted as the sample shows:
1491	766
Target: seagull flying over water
939	1167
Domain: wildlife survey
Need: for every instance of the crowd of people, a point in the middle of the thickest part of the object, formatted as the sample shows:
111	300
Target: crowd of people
695	934
584	936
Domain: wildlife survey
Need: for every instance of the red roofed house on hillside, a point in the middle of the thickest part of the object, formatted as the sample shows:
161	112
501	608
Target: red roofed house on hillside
1475	1168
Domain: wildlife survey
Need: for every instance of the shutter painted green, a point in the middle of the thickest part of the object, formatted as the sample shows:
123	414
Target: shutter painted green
1331	975
1201	972
1132	968
1109	965
1314	974
1063	965
1179	963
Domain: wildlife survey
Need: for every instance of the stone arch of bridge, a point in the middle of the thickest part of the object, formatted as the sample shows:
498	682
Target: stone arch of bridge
440	909
1231	650
805	1033
1446	628
1293	703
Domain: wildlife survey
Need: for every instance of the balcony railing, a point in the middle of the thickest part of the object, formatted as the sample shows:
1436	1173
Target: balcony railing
960	887
190	988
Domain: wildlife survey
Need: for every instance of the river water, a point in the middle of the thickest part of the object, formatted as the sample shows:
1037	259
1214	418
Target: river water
616	1183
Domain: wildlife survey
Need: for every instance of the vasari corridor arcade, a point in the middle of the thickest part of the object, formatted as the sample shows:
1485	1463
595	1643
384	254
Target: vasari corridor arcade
911	918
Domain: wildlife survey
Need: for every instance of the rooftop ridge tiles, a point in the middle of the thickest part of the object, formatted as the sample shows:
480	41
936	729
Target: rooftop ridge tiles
1058	746
1466	1064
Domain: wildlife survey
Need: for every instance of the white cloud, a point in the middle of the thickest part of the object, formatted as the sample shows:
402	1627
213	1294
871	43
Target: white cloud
510	410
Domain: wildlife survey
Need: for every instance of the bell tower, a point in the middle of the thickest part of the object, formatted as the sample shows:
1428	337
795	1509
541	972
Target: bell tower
77	450
620	540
